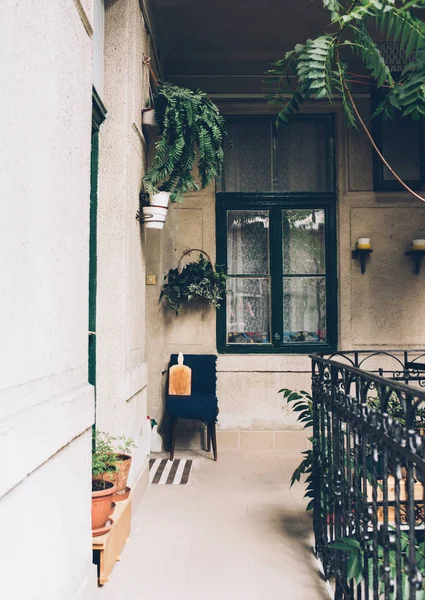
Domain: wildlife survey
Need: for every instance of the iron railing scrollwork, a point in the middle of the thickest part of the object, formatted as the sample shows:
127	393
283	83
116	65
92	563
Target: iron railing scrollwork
369	474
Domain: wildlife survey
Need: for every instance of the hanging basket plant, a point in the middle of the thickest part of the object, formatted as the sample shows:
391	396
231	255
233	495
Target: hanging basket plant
191	131
200	279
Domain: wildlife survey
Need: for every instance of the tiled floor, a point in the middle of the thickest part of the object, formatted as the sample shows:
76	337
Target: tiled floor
236	531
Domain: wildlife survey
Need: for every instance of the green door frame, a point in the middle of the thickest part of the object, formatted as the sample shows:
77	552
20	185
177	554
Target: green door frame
98	116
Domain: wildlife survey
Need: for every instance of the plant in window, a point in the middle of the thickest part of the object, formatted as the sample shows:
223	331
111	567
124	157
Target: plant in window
191	130
320	65
196	280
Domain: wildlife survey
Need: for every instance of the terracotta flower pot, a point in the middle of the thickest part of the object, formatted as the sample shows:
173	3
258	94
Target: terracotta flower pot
119	478
101	503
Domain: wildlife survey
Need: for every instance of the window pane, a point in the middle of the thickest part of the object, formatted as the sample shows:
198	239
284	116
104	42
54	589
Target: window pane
400	144
248	242
302	156
303	241
304	309
248	311
247	163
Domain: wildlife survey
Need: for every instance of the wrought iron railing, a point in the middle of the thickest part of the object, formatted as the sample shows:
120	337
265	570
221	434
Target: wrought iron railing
369	473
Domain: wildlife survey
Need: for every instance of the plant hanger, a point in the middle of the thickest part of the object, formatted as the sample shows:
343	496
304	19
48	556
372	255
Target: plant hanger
193	281
180	266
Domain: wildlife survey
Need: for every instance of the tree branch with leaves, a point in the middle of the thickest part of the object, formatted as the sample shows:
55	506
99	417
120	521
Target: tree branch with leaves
320	66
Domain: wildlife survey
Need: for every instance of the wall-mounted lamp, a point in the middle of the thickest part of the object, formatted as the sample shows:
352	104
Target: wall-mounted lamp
362	251
417	253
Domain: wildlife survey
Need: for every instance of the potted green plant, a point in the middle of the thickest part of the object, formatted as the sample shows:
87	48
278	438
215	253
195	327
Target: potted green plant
191	130
121	459
200	279
102	491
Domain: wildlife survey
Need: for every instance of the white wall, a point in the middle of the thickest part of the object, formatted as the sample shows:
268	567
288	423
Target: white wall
46	404
121	390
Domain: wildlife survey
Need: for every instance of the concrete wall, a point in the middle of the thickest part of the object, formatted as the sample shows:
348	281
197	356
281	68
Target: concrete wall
380	309
121	390
46	404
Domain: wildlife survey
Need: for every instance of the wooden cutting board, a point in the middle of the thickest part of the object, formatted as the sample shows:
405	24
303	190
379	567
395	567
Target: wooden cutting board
180	379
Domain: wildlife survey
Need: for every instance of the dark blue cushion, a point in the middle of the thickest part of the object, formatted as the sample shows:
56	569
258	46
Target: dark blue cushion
202	407
204	378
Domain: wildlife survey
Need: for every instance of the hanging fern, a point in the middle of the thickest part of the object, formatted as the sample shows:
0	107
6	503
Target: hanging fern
320	66
189	123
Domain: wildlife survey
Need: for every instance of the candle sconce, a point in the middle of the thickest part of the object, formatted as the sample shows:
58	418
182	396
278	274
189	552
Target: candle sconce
362	251
417	253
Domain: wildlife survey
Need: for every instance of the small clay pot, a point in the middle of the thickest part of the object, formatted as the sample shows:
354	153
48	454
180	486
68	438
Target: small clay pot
101	503
119	478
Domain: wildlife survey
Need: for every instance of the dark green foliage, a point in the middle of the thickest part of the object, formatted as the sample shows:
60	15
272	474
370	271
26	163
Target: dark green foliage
197	280
320	66
303	404
190	126
356	561
395	409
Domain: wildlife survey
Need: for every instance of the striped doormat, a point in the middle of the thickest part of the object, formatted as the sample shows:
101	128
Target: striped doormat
169	472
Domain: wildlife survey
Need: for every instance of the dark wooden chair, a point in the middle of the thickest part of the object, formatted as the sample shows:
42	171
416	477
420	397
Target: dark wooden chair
202	404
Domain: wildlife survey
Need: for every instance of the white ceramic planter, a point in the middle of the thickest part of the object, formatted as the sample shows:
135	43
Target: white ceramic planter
154	217
148	117
161	199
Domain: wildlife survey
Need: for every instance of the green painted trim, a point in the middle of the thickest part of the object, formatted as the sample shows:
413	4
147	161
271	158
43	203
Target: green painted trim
99	111
276	262
93	257
276	203
98	116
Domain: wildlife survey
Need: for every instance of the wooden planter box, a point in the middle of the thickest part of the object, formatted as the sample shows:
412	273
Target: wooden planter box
418	492
107	548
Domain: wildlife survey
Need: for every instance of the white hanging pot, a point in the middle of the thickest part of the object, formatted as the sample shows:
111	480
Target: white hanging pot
160	199
154	217
148	117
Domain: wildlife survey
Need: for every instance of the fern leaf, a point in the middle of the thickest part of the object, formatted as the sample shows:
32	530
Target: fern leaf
368	51
334	7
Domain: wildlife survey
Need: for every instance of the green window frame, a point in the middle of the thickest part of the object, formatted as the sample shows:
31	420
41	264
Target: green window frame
274	278
387	130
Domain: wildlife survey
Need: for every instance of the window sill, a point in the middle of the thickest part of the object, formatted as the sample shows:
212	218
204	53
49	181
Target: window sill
283	350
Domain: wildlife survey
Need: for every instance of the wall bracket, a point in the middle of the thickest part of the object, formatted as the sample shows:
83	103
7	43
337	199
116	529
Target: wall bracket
361	254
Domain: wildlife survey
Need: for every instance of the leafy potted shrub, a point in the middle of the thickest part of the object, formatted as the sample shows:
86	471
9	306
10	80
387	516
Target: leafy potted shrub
196	280
121	459
190	128
102	491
